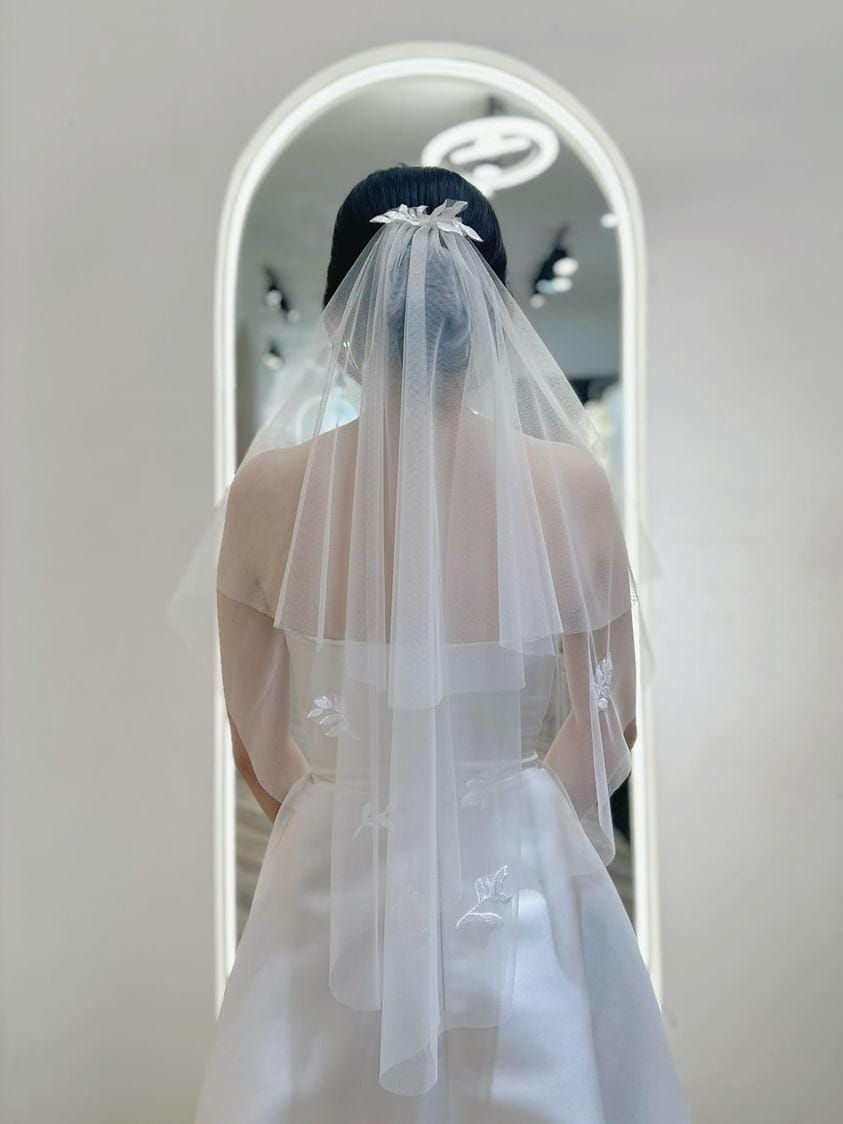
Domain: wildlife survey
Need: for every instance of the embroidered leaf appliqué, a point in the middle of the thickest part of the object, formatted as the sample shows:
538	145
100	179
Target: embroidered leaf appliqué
408	911
478	791
327	711
601	686
367	819
489	890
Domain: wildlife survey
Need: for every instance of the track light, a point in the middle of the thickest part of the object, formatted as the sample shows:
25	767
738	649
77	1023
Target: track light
274	297
565	266
554	284
555	272
273	356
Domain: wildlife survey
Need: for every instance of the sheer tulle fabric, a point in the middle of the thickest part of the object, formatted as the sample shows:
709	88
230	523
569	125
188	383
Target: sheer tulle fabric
455	539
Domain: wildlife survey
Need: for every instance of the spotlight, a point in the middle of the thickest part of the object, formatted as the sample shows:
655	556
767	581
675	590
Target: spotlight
566	266
555	272
275	299
609	220
273	357
554	284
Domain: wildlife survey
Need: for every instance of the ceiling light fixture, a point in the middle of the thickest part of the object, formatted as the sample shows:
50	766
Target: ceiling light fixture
275	299
494	153
273	356
565	266
555	272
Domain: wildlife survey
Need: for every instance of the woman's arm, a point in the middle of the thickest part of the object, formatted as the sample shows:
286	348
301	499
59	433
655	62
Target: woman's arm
256	680
254	656
297	767
572	753
243	762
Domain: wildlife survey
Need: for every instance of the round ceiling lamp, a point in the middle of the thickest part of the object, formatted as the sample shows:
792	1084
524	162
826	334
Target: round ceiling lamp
494	153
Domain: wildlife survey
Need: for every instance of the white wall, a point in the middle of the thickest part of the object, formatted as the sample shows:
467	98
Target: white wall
120	124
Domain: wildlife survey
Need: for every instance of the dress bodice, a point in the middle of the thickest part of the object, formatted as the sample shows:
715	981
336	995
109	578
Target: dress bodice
317	686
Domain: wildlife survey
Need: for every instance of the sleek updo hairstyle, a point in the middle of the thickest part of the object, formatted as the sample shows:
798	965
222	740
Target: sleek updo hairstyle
384	191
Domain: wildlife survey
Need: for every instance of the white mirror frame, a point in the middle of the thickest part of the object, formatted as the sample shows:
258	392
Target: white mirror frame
578	129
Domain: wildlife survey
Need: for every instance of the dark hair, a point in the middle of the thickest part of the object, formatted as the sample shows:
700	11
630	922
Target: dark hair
386	189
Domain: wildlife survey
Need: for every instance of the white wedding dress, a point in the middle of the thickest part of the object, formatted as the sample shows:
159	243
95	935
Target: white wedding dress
420	579
584	1042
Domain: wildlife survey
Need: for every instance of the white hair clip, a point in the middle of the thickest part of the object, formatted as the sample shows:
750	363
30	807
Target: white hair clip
444	216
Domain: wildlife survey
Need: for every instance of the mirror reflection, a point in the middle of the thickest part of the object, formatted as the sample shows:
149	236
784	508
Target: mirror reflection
563	271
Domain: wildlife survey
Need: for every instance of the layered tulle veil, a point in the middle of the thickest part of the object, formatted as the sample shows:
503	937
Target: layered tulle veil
455	537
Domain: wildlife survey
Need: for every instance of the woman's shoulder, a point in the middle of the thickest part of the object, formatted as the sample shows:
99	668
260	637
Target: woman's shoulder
261	474
275	476
557	461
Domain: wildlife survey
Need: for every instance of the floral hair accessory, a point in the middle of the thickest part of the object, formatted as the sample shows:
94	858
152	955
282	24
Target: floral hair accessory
445	216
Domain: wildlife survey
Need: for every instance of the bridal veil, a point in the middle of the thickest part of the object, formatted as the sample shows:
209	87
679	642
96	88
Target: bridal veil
458	533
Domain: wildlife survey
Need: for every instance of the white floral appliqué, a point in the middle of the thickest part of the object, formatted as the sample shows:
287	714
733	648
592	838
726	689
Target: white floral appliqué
601	687
408	911
327	711
478	791
369	819
489	889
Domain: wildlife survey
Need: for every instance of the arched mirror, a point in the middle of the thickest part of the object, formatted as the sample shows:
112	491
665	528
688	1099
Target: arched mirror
570	220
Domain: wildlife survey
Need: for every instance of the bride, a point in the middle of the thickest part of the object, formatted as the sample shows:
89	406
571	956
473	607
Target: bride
434	938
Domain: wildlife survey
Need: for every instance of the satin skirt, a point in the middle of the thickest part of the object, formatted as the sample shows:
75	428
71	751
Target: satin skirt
583	1044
